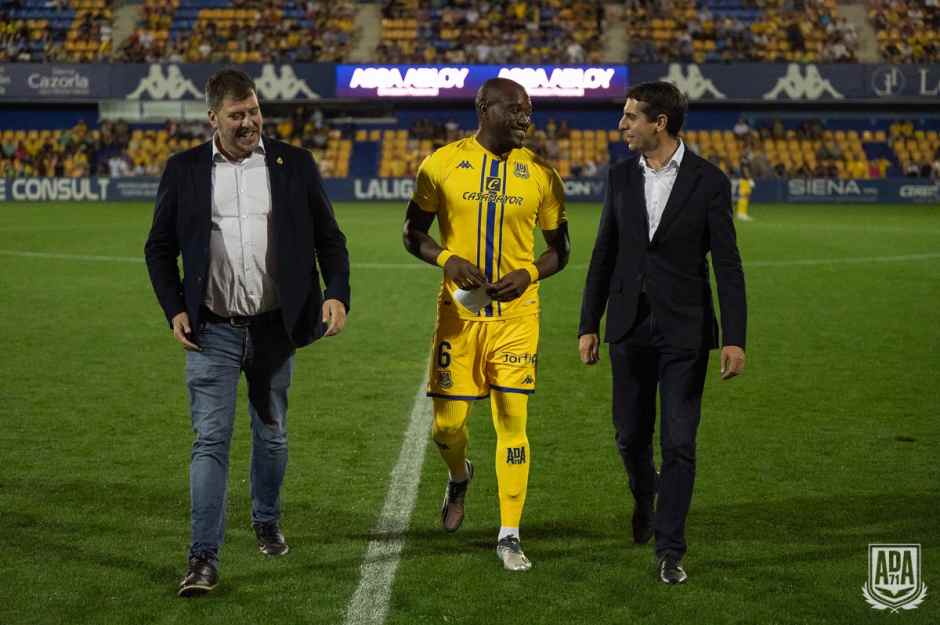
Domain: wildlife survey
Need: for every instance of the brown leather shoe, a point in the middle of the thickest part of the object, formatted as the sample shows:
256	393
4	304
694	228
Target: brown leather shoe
452	508
201	577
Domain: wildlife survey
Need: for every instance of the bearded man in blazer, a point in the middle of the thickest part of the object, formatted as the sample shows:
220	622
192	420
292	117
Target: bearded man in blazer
665	211
251	219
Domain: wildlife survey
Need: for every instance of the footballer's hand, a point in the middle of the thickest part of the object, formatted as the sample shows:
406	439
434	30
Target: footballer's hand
463	273
732	361
183	333
510	286
334	314
588	345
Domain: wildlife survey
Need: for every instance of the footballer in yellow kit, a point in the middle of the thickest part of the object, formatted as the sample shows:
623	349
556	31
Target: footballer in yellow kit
742	195
488	193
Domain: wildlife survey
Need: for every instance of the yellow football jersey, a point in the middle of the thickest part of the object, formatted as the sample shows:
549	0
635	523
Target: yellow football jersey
487	210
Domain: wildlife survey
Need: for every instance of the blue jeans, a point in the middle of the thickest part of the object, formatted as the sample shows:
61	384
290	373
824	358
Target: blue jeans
265	354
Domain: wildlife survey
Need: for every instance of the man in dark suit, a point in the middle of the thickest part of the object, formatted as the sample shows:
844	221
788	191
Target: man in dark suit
665	211
252	221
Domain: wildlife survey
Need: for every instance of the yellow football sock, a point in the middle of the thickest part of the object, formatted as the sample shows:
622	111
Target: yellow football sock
449	432
510	411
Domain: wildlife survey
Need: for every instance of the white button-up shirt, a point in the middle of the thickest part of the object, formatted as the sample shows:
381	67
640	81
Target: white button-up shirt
241	256
657	185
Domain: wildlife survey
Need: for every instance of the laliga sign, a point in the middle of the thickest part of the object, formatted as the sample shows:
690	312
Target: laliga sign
417	81
568	82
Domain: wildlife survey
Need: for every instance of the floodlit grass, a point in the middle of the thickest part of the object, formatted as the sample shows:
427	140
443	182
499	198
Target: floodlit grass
827	443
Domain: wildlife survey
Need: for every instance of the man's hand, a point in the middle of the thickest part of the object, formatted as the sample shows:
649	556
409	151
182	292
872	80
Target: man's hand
182	332
732	361
588	346
463	273
510	286
334	314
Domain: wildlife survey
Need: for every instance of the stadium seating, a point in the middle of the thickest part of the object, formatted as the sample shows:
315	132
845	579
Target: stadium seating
908	31
736	30
916	149
115	149
242	31
539	31
80	151
810	151
40	31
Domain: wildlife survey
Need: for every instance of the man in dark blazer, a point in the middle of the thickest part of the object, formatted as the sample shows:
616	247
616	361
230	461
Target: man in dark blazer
251	219
664	212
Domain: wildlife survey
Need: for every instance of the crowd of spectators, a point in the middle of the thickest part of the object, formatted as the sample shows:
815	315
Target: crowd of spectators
491	31
249	31
768	150
750	31
60	31
74	152
908	31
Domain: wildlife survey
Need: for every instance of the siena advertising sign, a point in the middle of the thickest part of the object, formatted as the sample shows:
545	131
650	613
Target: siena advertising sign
461	82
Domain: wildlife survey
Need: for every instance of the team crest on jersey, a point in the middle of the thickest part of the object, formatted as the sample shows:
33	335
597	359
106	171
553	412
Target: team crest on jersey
444	380
515	455
521	171
465	165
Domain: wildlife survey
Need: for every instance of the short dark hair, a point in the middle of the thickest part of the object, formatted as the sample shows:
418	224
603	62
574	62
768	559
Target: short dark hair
662	98
229	82
493	86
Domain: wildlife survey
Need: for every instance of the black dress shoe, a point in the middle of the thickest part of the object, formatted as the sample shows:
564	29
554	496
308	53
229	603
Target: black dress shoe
669	570
201	577
642	522
270	539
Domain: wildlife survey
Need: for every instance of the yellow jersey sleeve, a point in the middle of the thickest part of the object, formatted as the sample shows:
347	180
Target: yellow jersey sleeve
552	209
427	194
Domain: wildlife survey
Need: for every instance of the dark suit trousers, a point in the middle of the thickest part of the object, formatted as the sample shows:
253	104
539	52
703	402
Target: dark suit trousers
641	361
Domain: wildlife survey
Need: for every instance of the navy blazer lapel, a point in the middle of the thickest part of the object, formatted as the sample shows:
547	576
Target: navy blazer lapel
277	164
686	180
202	171
637	201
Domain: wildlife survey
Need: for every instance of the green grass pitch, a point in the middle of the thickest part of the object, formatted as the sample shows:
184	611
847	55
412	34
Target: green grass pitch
829	442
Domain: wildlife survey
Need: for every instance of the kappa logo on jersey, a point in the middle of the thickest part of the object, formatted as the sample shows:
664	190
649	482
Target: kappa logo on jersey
528	380
515	455
172	86
796	86
521	171
692	83
465	165
284	87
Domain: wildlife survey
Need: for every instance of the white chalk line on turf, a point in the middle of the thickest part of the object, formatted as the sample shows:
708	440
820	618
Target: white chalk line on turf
795	262
369	603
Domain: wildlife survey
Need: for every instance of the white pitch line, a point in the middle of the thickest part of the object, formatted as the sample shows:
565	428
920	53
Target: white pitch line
369	604
795	262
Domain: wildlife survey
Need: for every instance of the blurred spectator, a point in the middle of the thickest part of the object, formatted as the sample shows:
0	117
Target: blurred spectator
908	31
249	31
498	31
803	31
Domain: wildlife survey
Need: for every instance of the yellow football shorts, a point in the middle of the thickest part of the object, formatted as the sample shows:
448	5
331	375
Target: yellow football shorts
472	357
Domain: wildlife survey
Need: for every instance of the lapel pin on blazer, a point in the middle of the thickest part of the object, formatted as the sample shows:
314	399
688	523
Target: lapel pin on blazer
280	161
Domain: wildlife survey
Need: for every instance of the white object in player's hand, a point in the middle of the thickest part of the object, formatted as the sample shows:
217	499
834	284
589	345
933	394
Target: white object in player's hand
474	300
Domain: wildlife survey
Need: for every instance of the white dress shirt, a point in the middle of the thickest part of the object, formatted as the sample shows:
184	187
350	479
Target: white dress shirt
657	185
241	255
